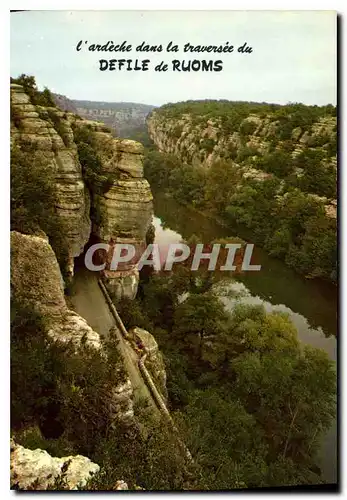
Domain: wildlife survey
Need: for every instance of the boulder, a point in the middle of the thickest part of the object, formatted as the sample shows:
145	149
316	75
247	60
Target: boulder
36	469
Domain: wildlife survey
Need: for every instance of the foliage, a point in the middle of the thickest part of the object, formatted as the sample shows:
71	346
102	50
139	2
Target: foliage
278	162
147	457
33	199
58	124
288	223
223	373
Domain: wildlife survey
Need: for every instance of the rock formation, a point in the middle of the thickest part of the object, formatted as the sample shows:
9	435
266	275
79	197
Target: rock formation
203	141
126	207
37	470
154	360
33	126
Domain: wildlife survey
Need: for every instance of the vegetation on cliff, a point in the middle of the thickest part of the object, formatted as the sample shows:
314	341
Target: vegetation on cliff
224	371
60	403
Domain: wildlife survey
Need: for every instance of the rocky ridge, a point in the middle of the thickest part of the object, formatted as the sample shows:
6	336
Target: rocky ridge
31	128
154	360
126	206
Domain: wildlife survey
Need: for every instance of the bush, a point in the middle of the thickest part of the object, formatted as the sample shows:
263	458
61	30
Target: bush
247	127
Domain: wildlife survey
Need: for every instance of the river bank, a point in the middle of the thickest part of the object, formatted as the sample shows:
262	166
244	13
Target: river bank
246	234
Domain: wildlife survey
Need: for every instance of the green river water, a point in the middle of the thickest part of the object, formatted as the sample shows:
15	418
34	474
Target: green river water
311	304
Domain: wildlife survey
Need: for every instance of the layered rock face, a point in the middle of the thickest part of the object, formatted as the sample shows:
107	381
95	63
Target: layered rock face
200	141
36	469
126	208
33	126
36	282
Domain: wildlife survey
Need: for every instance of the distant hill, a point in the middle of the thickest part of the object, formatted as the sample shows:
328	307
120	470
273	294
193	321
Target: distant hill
64	103
124	118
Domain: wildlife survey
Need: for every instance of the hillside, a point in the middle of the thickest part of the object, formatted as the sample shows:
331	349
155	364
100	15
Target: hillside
260	165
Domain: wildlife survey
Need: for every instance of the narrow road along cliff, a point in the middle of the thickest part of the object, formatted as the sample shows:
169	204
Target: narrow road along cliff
88	301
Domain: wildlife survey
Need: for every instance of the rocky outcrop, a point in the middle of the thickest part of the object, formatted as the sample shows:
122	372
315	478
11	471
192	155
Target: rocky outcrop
48	131
122	117
36	282
37	470
199	140
154	359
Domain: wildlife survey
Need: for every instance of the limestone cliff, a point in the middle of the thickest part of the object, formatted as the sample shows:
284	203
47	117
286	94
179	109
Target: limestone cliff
199	139
37	470
36	282
126	206
33	127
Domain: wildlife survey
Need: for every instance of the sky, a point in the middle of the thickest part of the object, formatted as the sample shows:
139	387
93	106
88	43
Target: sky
293	55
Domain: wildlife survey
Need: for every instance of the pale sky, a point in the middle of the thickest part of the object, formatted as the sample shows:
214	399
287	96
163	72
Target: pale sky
293	58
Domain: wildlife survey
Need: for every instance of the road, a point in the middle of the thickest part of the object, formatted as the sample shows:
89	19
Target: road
89	302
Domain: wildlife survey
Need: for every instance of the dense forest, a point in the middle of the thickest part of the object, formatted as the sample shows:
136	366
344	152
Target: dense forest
271	169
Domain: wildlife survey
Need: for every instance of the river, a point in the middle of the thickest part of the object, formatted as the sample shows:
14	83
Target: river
311	304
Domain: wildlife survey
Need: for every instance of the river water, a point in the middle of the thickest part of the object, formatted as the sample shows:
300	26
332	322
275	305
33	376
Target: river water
311	304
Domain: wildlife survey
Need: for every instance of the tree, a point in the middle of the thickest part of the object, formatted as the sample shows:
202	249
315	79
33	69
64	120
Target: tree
222	179
197	319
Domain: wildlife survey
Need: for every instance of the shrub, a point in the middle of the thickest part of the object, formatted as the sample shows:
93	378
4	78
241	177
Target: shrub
28	83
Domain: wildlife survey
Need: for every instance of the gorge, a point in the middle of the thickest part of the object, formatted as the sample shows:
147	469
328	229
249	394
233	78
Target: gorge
74	184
